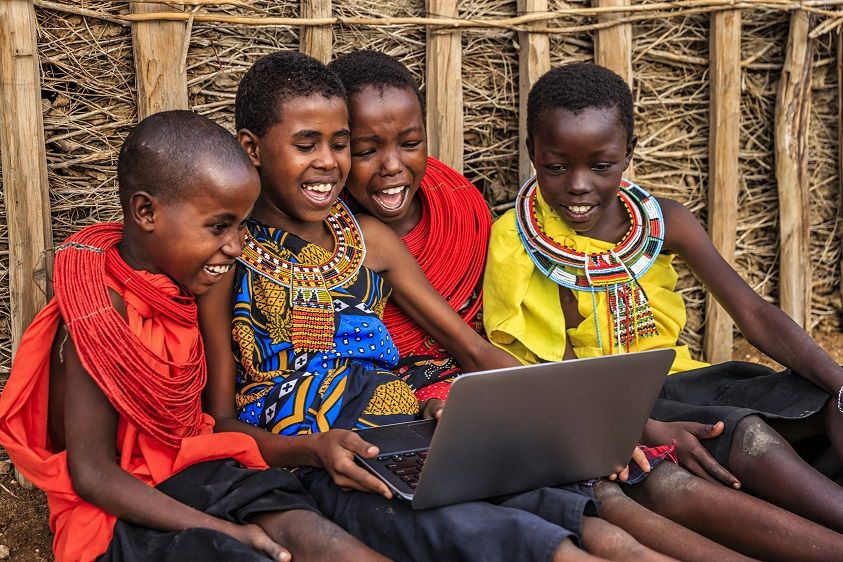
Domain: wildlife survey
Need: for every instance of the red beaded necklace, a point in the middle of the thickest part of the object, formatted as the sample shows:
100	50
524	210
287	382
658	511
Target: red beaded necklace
167	408
449	243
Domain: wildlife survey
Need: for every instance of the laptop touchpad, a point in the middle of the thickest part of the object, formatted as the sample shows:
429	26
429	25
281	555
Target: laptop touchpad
400	437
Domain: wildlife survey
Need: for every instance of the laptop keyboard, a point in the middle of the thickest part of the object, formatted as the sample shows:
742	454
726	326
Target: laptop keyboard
406	466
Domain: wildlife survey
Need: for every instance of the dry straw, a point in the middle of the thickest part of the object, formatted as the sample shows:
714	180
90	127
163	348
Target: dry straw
90	104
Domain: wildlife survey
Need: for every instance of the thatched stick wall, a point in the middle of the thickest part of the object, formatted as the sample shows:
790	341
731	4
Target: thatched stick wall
476	60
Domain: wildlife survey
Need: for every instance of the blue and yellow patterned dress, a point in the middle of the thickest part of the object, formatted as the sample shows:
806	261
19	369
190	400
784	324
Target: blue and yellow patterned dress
312	352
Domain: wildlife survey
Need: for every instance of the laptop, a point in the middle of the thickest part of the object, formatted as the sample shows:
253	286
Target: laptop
510	430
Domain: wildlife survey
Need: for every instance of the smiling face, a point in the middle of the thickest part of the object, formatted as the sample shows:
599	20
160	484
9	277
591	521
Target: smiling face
196	238
579	160
388	155
303	161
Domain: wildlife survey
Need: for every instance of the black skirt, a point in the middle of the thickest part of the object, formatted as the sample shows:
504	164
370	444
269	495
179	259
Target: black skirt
731	391
221	488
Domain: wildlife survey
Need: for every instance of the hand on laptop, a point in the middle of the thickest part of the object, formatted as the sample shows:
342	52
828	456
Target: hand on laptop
432	408
692	455
639	458
336	449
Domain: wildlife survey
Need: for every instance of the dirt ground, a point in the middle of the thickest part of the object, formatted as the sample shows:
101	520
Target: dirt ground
23	513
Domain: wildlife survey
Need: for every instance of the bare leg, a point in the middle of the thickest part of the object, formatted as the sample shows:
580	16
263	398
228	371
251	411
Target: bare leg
567	551
770	469
605	540
657	532
735	519
310	536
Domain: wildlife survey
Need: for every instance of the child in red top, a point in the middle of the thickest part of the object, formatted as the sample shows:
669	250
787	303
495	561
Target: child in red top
103	406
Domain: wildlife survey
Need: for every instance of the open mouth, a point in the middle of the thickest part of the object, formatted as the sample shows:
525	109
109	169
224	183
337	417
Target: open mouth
391	198
216	270
319	193
579	213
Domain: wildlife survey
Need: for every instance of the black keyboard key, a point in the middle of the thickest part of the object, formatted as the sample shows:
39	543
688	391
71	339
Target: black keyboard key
408	470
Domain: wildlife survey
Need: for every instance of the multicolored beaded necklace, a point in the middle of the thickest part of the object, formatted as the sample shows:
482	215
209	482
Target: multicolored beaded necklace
614	272
309	284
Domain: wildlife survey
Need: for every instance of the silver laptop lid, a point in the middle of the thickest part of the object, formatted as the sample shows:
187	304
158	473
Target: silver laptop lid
521	428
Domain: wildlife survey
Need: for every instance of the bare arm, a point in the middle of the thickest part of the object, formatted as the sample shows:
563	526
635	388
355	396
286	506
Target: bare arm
333	450
764	325
90	434
388	255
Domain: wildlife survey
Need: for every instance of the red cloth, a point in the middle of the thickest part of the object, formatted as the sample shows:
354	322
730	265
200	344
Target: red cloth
82	530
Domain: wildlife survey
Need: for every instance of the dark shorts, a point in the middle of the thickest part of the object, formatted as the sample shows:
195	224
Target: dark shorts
731	391
523	527
220	488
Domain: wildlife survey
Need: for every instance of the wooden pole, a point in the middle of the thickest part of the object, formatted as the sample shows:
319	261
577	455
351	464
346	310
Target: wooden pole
533	61
444	88
840	142
723	148
793	109
318	42
613	48
160	50
25	187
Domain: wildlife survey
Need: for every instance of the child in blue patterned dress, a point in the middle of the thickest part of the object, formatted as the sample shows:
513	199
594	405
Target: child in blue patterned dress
312	358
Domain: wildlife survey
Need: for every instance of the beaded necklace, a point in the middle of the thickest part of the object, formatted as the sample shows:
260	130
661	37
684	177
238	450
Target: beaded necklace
449	243
614	272
309	284
167	407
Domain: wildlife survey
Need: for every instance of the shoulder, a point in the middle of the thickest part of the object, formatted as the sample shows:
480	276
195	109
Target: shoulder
382	244
505	225
679	221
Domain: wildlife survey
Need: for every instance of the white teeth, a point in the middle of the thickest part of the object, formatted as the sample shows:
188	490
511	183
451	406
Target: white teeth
394	190
319	187
579	209
217	269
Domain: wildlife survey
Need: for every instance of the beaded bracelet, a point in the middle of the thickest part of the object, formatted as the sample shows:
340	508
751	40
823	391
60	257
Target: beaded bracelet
840	399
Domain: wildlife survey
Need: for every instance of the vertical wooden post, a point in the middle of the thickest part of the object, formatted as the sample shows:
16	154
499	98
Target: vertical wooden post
840	141
613	49
159	50
533	61
613	45
444	88
793	110
318	42
25	187
723	148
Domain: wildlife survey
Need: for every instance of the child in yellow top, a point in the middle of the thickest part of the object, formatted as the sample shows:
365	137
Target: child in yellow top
582	267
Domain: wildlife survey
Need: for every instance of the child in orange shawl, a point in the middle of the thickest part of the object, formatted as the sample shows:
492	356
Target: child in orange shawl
103	407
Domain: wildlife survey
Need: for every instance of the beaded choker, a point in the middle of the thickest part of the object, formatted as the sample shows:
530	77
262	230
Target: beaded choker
309	284
614	272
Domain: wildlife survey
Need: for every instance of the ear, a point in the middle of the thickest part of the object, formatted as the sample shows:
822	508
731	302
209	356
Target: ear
531	150
630	149
142	210
250	143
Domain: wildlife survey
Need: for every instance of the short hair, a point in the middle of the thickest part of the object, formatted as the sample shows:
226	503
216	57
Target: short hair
168	151
366	68
576	87
276	78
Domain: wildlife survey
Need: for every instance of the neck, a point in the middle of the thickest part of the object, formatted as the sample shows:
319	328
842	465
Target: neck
411	218
314	232
131	249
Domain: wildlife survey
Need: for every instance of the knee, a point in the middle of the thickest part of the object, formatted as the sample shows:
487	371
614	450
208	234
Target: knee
667	485
755	439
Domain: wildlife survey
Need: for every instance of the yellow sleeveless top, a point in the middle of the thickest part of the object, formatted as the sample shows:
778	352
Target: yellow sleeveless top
523	315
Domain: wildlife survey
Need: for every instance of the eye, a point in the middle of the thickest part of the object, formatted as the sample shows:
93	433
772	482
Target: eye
555	168
412	144
305	147
339	146
219	227
363	153
602	167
